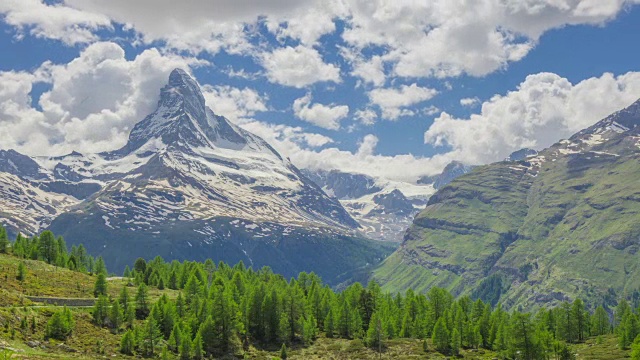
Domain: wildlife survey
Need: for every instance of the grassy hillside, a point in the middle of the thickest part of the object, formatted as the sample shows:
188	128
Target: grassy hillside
560	226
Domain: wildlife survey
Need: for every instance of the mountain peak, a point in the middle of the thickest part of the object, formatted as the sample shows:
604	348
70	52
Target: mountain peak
181	82
183	91
181	117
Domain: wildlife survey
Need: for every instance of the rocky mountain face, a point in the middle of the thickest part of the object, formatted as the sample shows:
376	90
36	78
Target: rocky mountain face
553	226
188	184
384	209
452	171
521	154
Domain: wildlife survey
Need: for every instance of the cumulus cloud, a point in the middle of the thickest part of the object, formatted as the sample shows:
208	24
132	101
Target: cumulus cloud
367	145
92	104
366	116
63	23
446	38
324	116
289	138
371	71
543	109
470	102
441	38
197	25
298	66
394	101
235	104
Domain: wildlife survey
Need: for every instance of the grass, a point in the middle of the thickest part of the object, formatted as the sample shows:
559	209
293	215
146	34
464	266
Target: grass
574	225
50	281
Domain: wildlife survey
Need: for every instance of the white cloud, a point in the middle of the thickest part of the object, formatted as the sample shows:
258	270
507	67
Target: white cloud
233	103
430	110
405	167
52	21
307	23
367	145
393	102
544	109
196	25
93	102
366	116
289	138
440	38
446	38
324	116
371	71
298	67
470	102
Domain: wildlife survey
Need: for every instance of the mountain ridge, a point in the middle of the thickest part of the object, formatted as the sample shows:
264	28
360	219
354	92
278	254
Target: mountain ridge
555	226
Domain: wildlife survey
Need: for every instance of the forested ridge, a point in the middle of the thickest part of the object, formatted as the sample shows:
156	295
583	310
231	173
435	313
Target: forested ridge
222	309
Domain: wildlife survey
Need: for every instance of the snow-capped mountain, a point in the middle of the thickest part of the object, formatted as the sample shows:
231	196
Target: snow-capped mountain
188	184
384	209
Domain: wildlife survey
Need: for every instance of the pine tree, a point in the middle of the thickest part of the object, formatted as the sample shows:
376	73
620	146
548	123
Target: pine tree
127	343
127	272
175	338
629	329
140	266
440	336
61	260
4	241
22	272
375	333
18	247
198	353
635	349
522	334
600	322
271	311
329	324
48	247
100	287
101	310
60	325
129	315
100	267
124	298
151	335
116	316
283	352
173	280
309	329
456	341
185	347
225	319
142	302
165	354
579	319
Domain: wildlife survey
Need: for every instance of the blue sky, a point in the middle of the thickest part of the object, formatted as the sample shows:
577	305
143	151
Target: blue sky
391	91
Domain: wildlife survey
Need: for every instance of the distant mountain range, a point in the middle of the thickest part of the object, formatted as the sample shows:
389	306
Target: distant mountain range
188	184
536	229
384	209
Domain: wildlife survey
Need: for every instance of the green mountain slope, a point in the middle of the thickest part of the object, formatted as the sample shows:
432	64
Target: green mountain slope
560	225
